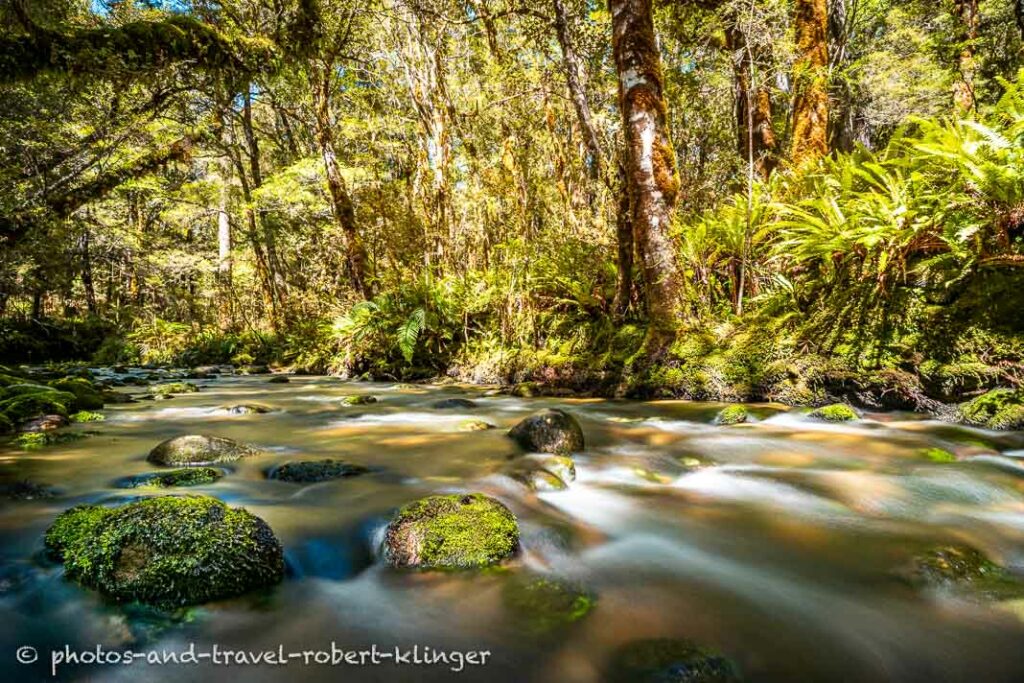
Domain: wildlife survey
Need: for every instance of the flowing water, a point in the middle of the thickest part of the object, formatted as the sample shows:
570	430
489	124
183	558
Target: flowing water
784	554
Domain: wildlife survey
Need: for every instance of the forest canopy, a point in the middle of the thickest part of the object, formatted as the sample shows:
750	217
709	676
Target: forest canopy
703	198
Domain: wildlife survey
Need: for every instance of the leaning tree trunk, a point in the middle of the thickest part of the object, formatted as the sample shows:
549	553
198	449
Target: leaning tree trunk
341	200
970	21
651	175
810	107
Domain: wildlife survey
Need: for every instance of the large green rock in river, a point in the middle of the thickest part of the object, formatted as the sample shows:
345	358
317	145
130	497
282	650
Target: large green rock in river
665	660
997	409
198	449
167	551
549	431
459	531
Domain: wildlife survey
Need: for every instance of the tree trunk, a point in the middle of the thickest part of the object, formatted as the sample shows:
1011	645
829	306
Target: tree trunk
970	20
755	131
624	251
224	263
87	283
810	79
651	175
570	62
341	200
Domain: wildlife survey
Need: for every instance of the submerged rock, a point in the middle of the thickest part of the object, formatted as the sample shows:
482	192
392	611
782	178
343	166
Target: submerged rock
357	400
453	404
308	472
459	531
474	426
837	412
174	388
732	415
27	490
247	409
952	564
545	605
542	472
167	551
279	379
198	449
665	660
1001	409
187	476
549	431
940	455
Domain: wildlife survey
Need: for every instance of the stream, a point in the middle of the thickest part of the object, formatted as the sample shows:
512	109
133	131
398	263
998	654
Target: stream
783	553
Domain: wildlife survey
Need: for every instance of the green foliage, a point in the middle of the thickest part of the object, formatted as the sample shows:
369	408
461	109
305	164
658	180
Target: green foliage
87	416
997	409
837	412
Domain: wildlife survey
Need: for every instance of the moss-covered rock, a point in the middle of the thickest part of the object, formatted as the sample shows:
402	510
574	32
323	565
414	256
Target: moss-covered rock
279	379
453	404
732	415
198	449
549	431
998	409
546	605
87	396
247	409
474	426
665	660
357	400
312	471
940	455
174	388
837	412
21	407
186	476
167	551
457	531
33	441
87	416
542	472
951	564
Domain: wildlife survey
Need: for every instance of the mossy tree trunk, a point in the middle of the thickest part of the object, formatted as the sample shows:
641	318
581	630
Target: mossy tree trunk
970	22
651	175
810	79
755	130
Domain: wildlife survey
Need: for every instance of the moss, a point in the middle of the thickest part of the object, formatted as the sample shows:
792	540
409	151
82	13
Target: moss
546	605
357	400
664	660
21	407
732	415
962	567
837	412
174	388
198	449
167	551
996	409
87	416
457	531
87	396
188	476
940	455
474	426
33	441
315	471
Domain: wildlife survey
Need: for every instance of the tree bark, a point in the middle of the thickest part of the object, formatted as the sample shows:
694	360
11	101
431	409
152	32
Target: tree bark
341	201
970	20
651	175
224	262
570	62
755	131
810	107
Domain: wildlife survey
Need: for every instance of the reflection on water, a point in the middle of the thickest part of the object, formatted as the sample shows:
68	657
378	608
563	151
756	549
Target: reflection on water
775	542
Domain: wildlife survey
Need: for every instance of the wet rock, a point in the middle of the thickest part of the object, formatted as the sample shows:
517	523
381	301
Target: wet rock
308	472
87	396
167	551
254	369
187	476
665	660
549	431
174	388
453	404
23	406
198	449
951	564
279	379
247	409
459	531
118	397
474	426
732	415
1001	409
44	423
33	441
357	400
541	472
546	605
27	490
940	455
837	412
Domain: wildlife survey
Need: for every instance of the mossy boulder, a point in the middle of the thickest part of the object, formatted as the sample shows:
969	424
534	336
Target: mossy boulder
453	404
167	551
87	416
474	426
186	476
939	455
198	449
549	431
837	412
279	379
309	472
1001	409
247	409
459	531
357	400
21	407
174	388
87	396
666	660
732	415
546	605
